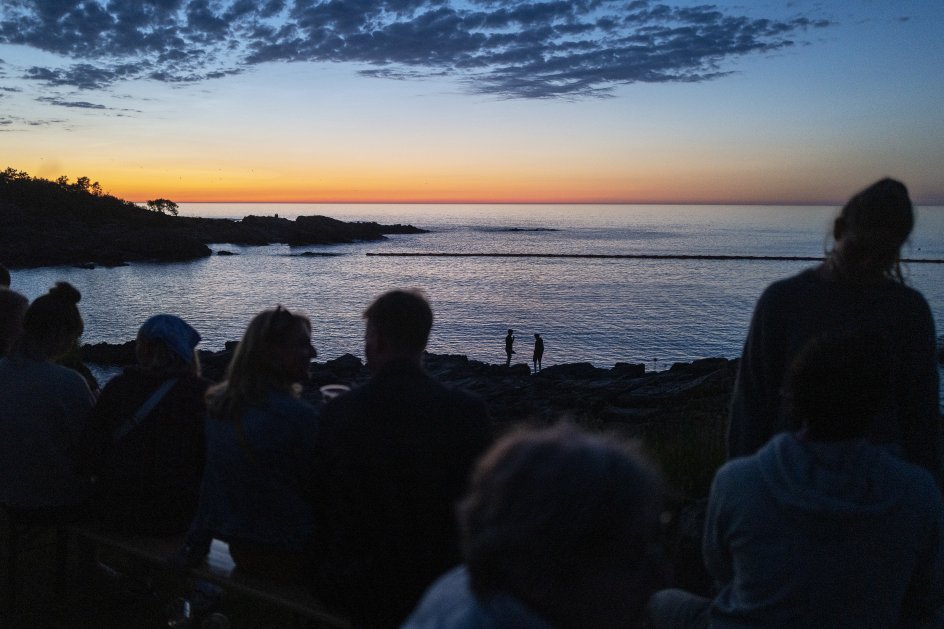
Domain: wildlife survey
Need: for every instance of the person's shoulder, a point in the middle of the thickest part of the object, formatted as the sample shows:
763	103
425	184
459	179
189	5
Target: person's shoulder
65	375
907	296
743	472
787	287
69	383
738	485
912	482
737	470
449	602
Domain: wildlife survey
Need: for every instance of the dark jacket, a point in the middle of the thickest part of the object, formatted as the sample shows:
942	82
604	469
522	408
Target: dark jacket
254	484
148	480
792	311
396	456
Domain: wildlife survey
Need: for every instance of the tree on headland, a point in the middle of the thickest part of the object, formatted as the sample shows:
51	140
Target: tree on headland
12	174
164	206
82	184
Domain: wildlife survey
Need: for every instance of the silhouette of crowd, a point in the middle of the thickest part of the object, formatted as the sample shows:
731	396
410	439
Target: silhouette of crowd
396	505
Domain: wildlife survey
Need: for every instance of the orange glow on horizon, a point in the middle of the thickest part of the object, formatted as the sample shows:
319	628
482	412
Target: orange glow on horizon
657	181
446	191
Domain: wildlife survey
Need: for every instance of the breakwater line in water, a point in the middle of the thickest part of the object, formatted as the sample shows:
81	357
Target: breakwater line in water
624	256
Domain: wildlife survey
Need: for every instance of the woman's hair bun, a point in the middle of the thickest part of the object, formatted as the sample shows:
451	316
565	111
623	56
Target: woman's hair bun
66	292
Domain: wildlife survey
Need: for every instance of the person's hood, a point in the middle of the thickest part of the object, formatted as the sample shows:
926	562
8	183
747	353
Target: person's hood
843	479
450	603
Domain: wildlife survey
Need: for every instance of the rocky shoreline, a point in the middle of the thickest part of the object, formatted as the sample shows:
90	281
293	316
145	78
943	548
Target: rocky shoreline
47	223
623	395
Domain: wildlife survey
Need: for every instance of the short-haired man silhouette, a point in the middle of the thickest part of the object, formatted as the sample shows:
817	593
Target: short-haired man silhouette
396	455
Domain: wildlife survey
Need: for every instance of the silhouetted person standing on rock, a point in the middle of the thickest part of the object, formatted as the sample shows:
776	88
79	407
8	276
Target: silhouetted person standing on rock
509	346
538	352
396	454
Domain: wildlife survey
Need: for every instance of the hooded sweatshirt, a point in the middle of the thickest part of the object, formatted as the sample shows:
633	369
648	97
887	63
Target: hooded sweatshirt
450	604
814	534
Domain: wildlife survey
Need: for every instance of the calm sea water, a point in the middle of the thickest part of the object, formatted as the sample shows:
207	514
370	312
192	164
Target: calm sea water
598	310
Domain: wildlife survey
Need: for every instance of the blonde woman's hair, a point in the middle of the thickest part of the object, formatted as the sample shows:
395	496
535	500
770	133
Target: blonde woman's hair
252	372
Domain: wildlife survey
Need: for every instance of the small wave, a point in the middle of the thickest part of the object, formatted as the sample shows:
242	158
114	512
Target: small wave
315	254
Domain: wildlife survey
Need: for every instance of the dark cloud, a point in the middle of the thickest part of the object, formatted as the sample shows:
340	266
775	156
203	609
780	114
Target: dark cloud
80	104
514	49
17	122
84	75
60	101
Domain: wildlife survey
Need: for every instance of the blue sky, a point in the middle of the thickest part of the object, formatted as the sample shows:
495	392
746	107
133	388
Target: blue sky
432	100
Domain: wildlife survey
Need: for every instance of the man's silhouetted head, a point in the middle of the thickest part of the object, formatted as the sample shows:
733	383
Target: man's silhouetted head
398	325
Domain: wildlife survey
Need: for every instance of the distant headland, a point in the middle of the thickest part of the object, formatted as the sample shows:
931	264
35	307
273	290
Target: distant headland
48	223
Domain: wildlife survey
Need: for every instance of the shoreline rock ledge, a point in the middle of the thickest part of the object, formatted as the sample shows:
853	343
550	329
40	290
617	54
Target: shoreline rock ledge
624	395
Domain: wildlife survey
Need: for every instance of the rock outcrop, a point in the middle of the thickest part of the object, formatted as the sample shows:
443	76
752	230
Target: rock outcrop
46	223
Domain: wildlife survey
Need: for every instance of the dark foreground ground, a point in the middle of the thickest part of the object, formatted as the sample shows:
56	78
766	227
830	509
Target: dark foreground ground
94	599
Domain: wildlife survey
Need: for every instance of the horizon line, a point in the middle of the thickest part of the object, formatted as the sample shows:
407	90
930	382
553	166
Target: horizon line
814	203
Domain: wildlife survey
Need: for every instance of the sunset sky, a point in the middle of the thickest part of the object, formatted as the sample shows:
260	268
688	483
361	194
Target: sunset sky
476	101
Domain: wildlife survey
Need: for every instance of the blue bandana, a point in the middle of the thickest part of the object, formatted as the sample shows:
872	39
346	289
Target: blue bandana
173	331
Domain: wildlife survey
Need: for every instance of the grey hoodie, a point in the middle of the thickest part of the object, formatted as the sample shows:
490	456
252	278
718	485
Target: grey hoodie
810	534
